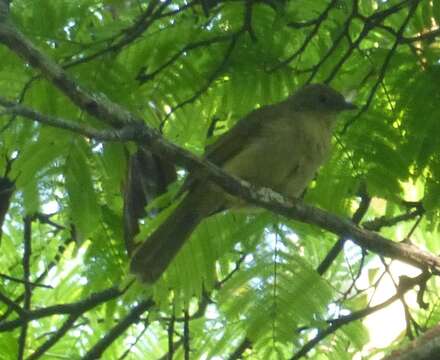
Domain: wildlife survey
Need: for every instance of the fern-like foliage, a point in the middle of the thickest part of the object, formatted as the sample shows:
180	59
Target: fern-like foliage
248	284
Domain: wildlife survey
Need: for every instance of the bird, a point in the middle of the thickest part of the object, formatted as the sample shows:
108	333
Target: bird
280	146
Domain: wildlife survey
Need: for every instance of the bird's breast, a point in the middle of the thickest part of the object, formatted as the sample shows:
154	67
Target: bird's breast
285	155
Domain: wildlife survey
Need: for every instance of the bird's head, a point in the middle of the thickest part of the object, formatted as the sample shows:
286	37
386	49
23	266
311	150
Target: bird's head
319	98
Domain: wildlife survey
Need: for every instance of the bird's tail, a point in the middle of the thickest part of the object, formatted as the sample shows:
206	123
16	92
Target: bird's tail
155	254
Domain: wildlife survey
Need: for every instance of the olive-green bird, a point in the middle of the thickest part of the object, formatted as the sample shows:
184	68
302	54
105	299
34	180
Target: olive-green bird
279	146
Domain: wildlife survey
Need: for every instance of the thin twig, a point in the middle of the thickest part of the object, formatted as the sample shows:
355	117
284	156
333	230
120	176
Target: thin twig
68	324
339	245
170	331
133	316
133	344
187	48
12	304
308	38
336	324
78	307
384	67
186	336
22	281
264	197
220	68
27	244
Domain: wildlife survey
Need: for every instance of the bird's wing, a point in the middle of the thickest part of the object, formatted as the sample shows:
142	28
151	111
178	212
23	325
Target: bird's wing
230	143
238	137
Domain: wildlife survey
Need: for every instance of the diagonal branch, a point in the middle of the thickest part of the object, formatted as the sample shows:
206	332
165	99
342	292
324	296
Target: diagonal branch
336	324
57	122
384	66
78	307
96	105
317	22
339	245
241	348
113	114
132	317
68	324
429	36
344	32
144	77
220	68
128	35
11	303
378	223
267	198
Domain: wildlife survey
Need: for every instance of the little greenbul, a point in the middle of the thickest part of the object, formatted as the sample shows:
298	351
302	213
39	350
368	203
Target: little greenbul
279	146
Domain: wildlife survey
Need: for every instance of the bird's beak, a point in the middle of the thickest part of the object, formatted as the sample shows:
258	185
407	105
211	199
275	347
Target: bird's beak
349	106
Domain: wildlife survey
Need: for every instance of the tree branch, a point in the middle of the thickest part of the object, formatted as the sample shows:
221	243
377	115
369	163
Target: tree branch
429	36
336	324
113	114
186	336
317	22
96	105
68	324
79	307
339	245
427	347
244	345
27	237
132	317
264	197
144	77
128	35
377	224
384	67
12	304
220	68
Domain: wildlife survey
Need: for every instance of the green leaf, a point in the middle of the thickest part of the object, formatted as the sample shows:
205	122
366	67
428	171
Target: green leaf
84	208
37	156
31	200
